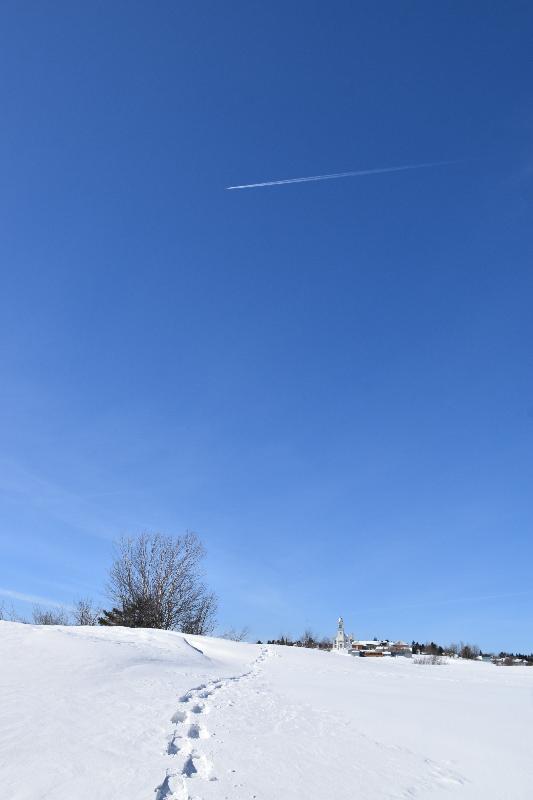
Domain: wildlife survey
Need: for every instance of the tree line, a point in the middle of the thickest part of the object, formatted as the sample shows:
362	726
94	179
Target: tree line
307	639
468	651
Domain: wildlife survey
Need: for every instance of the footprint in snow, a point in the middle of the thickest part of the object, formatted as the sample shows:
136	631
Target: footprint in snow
198	764
173	746
196	732
174	787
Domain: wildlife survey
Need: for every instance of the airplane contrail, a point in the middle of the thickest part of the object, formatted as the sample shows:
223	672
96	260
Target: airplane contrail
351	174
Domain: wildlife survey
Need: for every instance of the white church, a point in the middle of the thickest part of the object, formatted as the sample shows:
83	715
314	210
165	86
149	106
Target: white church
341	641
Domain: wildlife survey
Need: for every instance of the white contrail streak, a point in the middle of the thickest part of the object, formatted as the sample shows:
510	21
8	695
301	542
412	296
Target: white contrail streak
33	598
352	174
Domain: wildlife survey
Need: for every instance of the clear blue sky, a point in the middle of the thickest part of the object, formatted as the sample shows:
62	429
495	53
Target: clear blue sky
330	382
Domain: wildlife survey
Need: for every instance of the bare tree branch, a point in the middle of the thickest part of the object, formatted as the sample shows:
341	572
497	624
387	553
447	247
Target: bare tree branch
85	613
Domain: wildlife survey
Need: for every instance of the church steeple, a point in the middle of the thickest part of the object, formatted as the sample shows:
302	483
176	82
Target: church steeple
341	641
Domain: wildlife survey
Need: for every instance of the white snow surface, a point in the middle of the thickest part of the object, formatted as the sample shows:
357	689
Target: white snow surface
123	714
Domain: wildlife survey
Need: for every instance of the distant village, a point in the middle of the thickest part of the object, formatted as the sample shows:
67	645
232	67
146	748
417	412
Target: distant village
371	648
430	652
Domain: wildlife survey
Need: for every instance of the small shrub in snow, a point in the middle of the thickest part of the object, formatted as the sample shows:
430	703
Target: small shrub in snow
43	616
235	635
85	613
10	614
428	660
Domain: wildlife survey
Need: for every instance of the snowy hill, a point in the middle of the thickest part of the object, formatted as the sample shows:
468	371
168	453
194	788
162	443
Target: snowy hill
115	713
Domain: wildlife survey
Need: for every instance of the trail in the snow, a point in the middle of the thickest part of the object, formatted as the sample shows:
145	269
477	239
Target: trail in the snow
298	739
191	765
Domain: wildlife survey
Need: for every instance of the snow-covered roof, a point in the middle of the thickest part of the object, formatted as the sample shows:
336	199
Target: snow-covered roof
374	642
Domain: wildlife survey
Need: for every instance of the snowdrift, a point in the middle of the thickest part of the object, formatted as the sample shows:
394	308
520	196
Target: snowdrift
122	714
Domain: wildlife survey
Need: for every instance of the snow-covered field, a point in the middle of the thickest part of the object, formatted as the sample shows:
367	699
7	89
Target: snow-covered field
121	714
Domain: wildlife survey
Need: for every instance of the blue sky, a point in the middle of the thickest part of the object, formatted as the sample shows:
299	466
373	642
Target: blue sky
330	382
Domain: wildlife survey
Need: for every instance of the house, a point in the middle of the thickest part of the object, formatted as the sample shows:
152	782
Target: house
379	650
380	647
366	644
401	649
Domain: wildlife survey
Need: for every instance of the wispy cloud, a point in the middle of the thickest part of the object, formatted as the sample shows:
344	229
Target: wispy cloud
351	174
34	599
81	512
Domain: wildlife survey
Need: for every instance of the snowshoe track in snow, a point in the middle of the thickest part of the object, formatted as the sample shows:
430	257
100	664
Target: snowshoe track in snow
194	766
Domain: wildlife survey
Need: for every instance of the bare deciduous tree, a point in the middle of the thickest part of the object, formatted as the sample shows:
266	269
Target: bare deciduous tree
308	639
452	649
236	635
12	615
85	613
469	651
155	582
43	616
